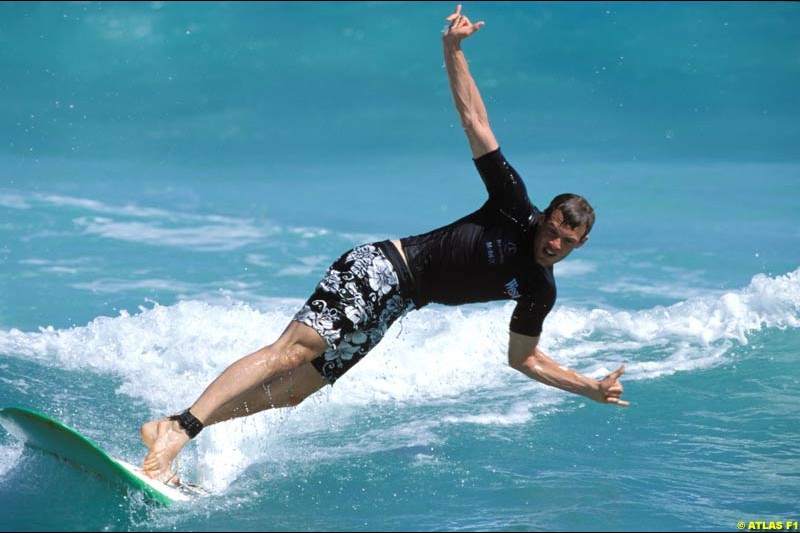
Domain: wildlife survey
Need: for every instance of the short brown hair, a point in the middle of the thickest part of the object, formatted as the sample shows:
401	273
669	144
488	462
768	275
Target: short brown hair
576	210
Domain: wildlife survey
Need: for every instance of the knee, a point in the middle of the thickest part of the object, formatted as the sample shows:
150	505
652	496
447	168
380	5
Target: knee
296	355
298	345
289	356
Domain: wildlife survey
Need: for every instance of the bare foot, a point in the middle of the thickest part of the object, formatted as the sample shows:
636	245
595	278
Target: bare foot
164	438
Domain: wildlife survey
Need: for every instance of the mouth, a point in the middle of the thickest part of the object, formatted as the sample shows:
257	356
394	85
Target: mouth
548	252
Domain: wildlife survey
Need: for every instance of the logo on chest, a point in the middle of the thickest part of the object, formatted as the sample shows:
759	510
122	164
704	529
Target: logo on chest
497	251
512	289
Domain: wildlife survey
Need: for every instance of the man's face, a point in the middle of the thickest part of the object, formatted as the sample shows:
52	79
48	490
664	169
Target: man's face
554	241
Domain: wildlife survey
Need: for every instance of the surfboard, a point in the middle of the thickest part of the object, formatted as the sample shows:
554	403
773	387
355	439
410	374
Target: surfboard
47	434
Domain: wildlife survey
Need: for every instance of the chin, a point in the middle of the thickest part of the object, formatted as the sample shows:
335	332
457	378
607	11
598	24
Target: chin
549	261
545	261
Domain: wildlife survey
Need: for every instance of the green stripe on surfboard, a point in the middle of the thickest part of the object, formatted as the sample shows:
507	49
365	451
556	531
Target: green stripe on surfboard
50	435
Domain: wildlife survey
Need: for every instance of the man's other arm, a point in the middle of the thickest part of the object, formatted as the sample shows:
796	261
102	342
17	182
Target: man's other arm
524	356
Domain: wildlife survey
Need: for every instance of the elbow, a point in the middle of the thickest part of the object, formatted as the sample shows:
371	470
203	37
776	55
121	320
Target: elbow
472	123
525	365
467	123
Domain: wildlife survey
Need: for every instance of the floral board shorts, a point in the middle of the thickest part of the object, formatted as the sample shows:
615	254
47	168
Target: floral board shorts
361	295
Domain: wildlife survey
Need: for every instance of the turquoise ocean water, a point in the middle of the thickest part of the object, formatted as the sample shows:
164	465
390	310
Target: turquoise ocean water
176	177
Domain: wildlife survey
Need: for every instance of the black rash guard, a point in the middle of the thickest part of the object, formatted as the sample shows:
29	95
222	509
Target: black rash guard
487	255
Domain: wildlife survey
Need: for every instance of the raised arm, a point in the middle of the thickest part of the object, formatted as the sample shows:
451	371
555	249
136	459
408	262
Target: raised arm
523	355
466	97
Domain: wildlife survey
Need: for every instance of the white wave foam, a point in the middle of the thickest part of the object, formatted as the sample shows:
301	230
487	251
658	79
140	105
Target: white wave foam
687	335
114	286
103	208
519	413
574	268
307	266
61	266
166	355
10	456
433	353
160	227
671	290
13	201
309	233
223	235
162	353
259	260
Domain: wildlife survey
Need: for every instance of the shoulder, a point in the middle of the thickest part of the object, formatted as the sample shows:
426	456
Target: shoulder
506	188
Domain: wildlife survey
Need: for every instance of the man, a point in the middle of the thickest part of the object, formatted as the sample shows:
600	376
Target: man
504	250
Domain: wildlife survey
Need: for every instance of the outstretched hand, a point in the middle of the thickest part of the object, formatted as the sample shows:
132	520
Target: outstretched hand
611	389
460	26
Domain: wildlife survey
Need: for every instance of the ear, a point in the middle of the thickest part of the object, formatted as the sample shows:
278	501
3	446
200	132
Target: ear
583	241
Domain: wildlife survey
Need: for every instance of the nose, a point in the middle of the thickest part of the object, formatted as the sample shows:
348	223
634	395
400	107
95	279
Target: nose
555	244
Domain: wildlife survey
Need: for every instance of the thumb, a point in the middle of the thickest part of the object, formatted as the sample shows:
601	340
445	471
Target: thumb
617	373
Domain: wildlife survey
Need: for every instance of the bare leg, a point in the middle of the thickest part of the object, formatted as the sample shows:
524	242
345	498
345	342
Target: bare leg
281	370
286	390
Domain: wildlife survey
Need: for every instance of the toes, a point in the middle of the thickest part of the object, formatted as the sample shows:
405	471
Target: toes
170	478
151	463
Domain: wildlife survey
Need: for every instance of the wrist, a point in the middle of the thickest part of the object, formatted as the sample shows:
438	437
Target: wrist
596	392
451	43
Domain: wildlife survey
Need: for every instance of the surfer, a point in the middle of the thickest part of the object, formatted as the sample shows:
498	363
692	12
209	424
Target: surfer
504	250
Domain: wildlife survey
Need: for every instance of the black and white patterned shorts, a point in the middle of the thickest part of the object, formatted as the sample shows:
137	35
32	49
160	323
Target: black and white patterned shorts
361	295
